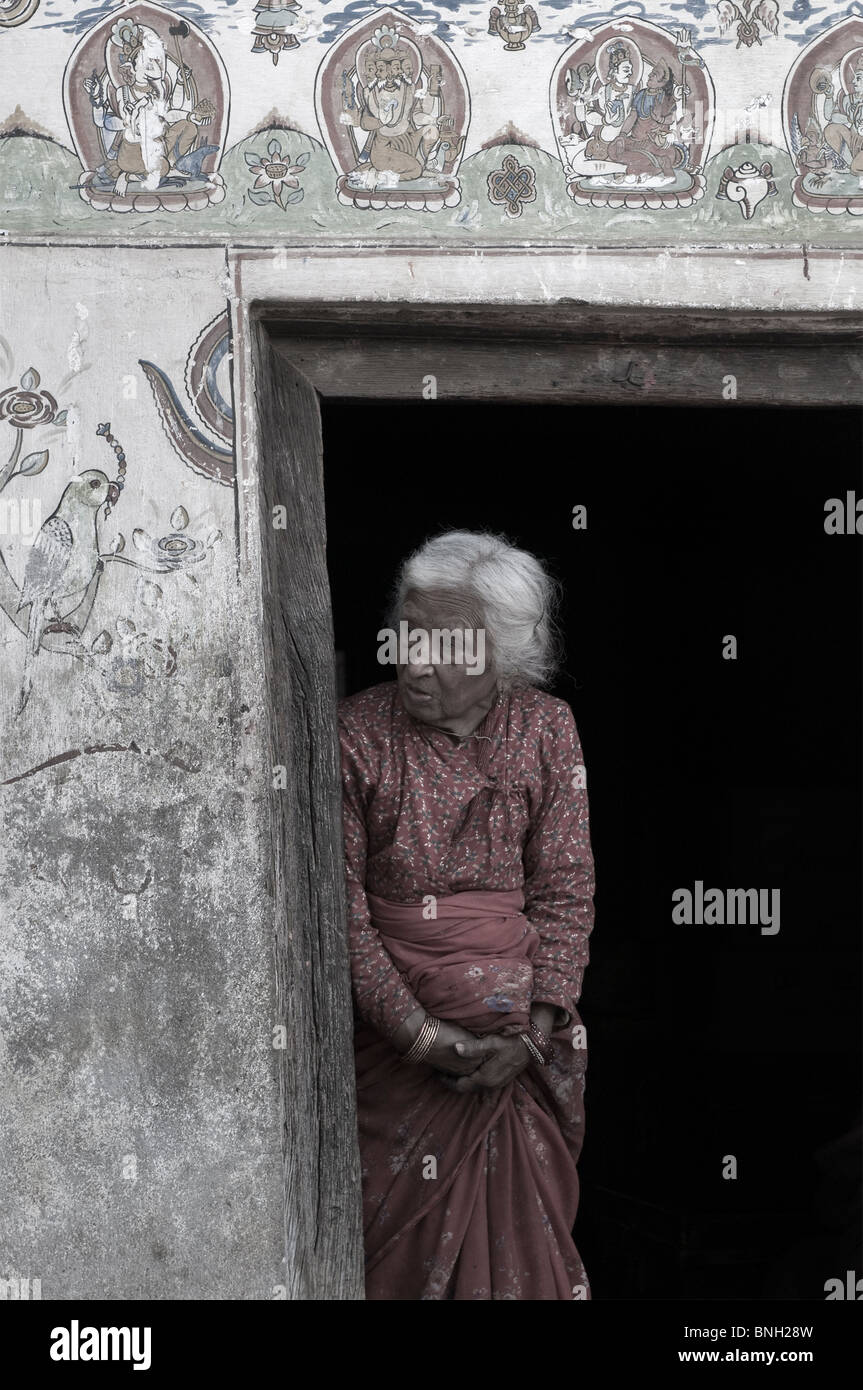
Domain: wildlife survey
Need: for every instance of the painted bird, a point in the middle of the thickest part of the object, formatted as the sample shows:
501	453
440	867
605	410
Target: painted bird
63	559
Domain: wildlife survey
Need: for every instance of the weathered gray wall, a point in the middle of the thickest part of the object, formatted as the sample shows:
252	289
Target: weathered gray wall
140	1150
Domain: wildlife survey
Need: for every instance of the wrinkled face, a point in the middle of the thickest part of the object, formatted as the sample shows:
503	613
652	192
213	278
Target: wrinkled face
451	694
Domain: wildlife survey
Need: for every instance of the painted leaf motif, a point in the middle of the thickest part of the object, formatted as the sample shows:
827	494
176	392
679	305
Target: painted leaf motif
253	160
60	417
179	518
141	540
303	159
33	463
149	593
212	536
296	197
125	626
256	196
274	148
30	380
118	543
103	643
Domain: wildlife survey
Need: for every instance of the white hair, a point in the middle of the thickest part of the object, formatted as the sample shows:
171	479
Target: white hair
516	597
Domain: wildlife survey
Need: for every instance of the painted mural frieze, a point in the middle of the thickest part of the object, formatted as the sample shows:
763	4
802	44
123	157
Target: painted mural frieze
393	109
629	111
147	99
634	109
823	116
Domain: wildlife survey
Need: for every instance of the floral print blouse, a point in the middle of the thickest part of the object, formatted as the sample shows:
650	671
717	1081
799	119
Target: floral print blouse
425	814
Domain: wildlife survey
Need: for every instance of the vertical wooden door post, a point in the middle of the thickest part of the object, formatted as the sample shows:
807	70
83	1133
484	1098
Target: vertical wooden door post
323	1220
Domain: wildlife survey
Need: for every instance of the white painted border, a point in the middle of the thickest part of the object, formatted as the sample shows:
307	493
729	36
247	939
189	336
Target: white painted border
789	278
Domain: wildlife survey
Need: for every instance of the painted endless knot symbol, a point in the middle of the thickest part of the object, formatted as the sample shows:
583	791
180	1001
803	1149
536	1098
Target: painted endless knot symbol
512	185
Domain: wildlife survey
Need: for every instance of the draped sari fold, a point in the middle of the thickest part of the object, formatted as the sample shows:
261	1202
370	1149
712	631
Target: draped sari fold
471	1195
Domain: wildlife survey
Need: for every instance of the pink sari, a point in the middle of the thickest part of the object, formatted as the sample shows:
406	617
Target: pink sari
474	1195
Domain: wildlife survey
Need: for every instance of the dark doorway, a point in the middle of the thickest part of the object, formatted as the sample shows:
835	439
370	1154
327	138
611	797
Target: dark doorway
705	1042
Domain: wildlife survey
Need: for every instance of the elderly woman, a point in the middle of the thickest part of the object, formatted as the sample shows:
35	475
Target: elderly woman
470	883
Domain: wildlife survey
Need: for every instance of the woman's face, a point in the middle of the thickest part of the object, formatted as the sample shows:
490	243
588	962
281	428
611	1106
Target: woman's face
435	687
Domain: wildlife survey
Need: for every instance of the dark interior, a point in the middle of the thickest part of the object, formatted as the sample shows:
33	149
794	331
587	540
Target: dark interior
704	1041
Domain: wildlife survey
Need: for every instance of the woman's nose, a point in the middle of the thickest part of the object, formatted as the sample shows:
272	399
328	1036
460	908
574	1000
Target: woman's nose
419	669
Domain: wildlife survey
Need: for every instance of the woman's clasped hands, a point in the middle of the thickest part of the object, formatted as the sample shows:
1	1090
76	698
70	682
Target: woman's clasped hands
466	1062
496	1061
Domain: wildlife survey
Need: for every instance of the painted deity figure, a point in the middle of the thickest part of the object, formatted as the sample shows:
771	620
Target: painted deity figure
633	109
844	130
634	123
827	129
649	144
577	83
606	113
147	111
402	110
813	151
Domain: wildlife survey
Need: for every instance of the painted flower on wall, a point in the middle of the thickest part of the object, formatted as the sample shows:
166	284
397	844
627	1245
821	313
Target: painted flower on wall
177	550
27	406
274	173
24	407
143	656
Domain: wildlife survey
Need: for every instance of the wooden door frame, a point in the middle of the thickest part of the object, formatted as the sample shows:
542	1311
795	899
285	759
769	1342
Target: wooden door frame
565	353
571	353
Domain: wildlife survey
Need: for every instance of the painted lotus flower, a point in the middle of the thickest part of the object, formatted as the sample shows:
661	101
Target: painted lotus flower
26	407
274	173
175	551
